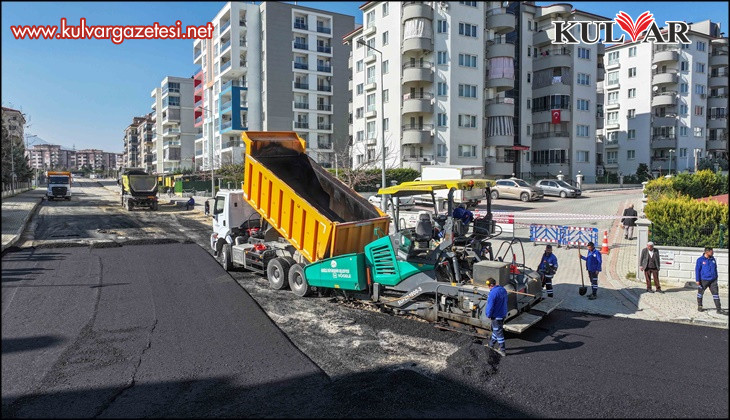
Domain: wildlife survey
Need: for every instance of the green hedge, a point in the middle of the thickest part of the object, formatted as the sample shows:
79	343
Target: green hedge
682	221
700	184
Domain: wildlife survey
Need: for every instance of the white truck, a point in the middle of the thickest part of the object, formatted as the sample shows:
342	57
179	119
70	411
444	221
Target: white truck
59	185
450	173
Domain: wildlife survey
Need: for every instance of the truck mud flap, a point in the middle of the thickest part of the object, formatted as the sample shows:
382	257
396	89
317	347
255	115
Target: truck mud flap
524	321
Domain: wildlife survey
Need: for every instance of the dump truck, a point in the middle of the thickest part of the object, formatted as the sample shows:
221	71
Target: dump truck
138	188
307	231
438	173
59	185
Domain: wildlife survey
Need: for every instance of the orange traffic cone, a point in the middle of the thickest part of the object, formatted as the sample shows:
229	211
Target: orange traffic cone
604	248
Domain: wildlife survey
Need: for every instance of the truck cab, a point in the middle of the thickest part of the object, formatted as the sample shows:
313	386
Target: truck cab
230	211
443	173
59	185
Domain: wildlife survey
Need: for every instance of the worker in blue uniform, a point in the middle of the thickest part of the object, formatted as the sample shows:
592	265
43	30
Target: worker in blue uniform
706	276
593	266
547	268
497	311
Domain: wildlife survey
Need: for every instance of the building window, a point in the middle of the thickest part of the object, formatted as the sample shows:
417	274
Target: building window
442	57
699	110
370	19
631	154
467	151
582	156
612	117
385	38
584	53
612	98
441	120
683	131
370	74
386	66
683	109
632	134
467	60
385	9
467	91
632	72
469	3
698	131
613	78
441	150
386	95
700	67
442	27
700	89
370	102
684	66
468	29
529	27
529	76
632	93
613	57
359	89
700	46
359	112
467	121
360	159
442	89
583	105
685	46
632	52
584	79
370	130
360	135
631	113
582	130
358	66
386	124
683	87
683	152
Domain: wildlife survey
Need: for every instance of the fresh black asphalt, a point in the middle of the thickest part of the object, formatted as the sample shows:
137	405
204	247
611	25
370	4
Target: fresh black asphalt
162	330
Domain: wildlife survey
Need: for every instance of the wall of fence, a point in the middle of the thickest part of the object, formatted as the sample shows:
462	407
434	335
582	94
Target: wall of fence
19	187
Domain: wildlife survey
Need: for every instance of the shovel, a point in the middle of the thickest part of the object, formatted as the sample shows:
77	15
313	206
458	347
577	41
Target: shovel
582	289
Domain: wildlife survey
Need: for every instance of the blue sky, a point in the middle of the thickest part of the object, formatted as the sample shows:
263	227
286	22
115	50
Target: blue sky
83	93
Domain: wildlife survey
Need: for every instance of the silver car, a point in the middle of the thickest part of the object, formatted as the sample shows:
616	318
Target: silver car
405	203
558	188
516	188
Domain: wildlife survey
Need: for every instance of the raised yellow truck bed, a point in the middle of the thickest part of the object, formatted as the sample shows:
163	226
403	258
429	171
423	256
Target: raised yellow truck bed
314	211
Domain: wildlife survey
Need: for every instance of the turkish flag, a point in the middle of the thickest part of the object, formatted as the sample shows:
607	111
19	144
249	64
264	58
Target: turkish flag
556	116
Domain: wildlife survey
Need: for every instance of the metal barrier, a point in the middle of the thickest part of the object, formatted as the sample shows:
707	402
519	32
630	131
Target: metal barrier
579	236
552	234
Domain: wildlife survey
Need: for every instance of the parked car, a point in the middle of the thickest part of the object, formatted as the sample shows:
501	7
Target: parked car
558	188
406	203
517	189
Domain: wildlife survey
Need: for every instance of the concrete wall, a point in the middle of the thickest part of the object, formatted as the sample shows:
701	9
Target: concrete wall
678	263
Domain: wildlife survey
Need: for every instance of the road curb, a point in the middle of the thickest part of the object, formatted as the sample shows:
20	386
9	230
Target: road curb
23	225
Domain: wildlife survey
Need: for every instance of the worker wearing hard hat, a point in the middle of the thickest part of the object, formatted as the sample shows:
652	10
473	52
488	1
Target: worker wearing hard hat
497	311
547	267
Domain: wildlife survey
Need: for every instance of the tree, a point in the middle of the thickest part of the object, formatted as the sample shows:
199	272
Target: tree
13	158
643	173
709	163
367	173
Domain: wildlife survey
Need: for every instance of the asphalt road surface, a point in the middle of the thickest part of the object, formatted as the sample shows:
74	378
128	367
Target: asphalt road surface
161	330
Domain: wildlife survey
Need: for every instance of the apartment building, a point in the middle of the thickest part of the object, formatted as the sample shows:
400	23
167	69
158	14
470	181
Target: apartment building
52	156
14	122
298	79
133	154
665	105
172	134
473	83
145	132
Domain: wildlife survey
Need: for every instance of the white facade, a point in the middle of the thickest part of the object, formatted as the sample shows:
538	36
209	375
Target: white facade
660	104
173	134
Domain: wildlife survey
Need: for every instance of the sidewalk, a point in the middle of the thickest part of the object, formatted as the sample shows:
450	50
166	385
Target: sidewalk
16	212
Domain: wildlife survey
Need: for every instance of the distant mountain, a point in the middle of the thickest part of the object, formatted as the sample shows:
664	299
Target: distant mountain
32	140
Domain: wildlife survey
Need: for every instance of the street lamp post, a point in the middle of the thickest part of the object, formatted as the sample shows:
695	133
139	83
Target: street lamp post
383	200
670	160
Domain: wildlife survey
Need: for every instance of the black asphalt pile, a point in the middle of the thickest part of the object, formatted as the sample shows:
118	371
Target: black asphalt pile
473	364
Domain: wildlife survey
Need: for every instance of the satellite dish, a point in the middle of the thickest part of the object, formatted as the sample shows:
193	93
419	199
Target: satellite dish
654	67
655	88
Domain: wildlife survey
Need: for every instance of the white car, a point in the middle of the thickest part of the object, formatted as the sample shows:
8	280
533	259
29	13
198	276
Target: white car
406	203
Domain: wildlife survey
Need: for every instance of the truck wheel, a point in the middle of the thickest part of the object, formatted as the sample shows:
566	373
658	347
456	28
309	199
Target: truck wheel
297	282
525	197
278	272
68	198
495	195
153	207
224	257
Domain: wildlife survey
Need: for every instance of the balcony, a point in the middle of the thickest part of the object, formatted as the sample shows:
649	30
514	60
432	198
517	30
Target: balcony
417	134
417	103
416	9
371	86
600	49
718	81
500	107
324	49
417	45
371	113
298	85
301	66
717	121
500	48
224	27
717	101
171	143
301	46
716	144
501	83
301	25
664	99
199	120
600	74
663	142
232	83
719	59
667	120
325	145
231	144
324	88
613	64
543	37
324	69
553	57
324	126
197	55
665	78
225	66
301	105
613	105
549	134
418	72
614	85
225	105
665	56
500	20
199	103
324	107
171	132
324	29
225	125
225	46
301	124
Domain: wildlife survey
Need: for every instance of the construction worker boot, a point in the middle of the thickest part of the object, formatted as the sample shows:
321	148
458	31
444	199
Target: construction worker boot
699	308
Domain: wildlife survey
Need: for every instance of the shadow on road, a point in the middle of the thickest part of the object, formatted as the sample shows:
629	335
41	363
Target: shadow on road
14	345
